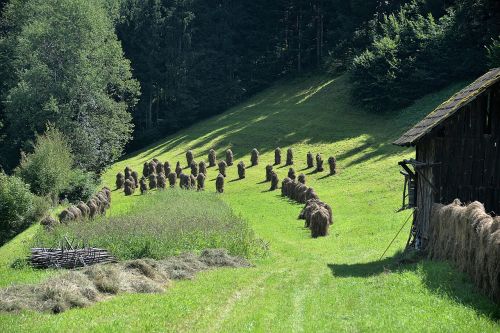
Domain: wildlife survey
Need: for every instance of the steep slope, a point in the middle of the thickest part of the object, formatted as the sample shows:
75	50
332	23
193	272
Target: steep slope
328	284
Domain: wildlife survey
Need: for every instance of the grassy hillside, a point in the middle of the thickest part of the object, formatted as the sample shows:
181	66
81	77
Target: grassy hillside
336	283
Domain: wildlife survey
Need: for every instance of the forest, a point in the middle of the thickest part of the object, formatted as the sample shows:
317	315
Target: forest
113	75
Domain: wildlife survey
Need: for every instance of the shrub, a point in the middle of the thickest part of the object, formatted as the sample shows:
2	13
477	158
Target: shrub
180	221
48	170
494	53
19	208
82	186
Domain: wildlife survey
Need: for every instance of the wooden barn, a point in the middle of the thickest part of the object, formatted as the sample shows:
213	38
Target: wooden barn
457	154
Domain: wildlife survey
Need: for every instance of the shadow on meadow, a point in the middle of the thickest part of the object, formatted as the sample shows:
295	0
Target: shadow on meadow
439	277
298	112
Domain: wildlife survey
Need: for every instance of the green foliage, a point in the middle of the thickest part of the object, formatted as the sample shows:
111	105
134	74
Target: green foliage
162	224
82	185
19	208
494	53
49	169
64	65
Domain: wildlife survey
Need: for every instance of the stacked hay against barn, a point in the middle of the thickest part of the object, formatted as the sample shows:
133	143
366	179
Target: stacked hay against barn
470	238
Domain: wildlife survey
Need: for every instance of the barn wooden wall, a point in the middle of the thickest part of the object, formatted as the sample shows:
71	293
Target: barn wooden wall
468	152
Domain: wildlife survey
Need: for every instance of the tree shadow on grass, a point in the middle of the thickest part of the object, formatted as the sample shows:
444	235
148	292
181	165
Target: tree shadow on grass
439	277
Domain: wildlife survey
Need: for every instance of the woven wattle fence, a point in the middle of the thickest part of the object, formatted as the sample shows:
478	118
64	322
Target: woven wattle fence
68	258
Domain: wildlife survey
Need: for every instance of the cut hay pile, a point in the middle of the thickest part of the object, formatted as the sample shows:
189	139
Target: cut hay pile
97	205
470	238
83	287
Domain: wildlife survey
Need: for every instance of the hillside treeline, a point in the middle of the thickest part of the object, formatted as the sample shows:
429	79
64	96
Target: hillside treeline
106	71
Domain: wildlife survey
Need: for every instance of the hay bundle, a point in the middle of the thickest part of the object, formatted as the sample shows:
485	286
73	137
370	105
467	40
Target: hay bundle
302	178
192	182
143	185
49	222
178	169
160	168
291	174
168	170
189	157
135	177
184	181
229	157
66	216
219	183
132	180
82	206
161	181
319	222
222	168
274	181
152	181
200	182
202	168
94	210
212	158
277	156
75	211
194	168
269	171
241	170
319	163
172	179
128	172
254	158
306	212
129	188
120	180
285	187
311	194
152	167
332	163
156	160
102	196
289	156
470	238
145	169
166	166
107	191
310	160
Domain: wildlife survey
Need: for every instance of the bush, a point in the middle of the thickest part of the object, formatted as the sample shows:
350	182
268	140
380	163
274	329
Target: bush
161	225
19	208
82	186
494	53
48	170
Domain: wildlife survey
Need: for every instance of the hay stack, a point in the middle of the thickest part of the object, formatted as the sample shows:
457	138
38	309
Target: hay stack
291	174
202	168
277	156
184	181
212	158
143	186
120	180
319	163
152	181
129	187
310	160
128	172
145	170
160	168
269	171
161	181
172	179
178	169
200	182
285	187
166	166
470	238
189	157
94	210
49	222
241	170
222	168
82	206
66	216
311	194
332	163
135	177
302	178
152	167
229	157
274	181
319	222
219	183
192	182
254	158
289	156
194	168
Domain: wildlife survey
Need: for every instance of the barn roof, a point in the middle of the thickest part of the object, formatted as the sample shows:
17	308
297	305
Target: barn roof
448	108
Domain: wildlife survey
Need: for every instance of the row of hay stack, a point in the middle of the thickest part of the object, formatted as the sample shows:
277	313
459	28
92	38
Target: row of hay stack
470	238
318	215
97	205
